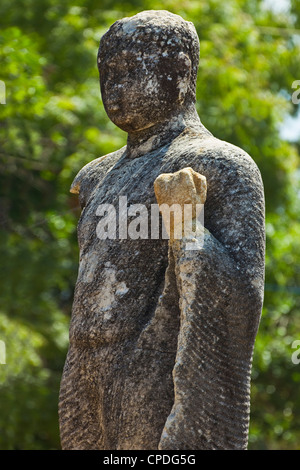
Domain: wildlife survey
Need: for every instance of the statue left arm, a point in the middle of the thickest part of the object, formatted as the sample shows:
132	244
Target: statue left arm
220	305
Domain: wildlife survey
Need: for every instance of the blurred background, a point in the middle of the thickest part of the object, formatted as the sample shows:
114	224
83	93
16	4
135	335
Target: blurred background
53	123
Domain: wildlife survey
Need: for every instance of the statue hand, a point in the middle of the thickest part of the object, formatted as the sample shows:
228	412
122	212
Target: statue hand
184	187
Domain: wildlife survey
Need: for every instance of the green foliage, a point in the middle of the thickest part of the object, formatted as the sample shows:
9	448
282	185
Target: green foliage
53	123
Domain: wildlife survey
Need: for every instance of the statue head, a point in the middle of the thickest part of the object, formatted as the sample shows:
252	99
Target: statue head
148	67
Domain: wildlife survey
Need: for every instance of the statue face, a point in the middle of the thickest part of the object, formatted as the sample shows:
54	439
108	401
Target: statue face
140	89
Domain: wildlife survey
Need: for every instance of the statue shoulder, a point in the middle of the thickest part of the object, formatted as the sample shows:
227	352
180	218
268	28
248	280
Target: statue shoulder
84	173
90	174
225	162
236	160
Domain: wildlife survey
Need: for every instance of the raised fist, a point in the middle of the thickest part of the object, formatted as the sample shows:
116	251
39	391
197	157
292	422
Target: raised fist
183	193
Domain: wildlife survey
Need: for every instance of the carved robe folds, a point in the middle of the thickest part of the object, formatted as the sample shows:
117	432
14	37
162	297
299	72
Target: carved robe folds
161	337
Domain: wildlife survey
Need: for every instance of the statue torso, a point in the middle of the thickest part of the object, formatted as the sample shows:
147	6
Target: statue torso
120	280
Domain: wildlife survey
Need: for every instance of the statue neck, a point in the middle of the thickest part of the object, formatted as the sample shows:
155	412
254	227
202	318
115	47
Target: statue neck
160	134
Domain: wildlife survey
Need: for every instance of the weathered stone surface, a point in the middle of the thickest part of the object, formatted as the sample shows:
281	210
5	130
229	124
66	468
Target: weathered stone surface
177	190
161	337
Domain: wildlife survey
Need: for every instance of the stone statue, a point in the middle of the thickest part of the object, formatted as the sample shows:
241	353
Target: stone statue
161	336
